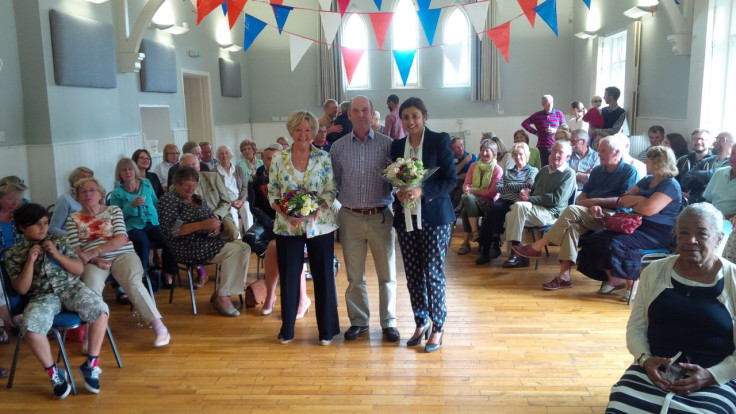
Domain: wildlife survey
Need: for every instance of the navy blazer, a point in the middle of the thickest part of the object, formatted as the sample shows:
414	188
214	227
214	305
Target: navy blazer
436	205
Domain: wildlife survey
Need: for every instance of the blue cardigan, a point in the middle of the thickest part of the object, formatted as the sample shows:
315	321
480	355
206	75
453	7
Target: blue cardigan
436	205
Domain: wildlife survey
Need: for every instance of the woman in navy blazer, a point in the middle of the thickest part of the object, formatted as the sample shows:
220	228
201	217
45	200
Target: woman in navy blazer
424	250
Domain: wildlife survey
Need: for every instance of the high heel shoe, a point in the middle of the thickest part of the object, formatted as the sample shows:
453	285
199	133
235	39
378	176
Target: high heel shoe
265	311
306	310
416	340
428	348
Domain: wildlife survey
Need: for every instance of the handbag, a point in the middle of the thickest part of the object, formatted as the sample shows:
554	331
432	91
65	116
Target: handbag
254	237
624	223
255	294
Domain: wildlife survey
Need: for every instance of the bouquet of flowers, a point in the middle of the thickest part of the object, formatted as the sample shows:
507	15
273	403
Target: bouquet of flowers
300	203
407	173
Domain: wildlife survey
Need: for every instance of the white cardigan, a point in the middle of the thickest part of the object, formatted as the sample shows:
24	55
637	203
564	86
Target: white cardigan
655	279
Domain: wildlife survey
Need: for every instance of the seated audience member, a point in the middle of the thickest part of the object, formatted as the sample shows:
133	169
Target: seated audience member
97	234
192	232
683	316
343	121
541	206
264	213
693	183
171	157
656	137
583	158
616	257
701	143
521	136
207	157
729	251
189	147
607	182
249	161
328	118
515	179
236	185
283	142
67	203
562	134
479	192
677	143
320	141
137	200
503	157
721	192
640	167
45	268
463	159
376	122
577	110
142	159
593	116
11	197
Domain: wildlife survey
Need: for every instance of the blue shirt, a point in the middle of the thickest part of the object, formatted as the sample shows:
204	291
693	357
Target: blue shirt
464	170
669	187
602	184
357	167
584	164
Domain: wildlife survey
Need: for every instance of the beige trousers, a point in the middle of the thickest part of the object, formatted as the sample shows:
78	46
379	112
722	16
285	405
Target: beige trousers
574	221
233	259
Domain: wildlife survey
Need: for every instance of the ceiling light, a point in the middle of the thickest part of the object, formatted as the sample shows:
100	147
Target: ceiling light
638	12
172	28
586	34
231	47
97	1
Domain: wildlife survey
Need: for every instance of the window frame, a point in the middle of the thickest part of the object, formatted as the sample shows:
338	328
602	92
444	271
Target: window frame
468	36
365	59
396	82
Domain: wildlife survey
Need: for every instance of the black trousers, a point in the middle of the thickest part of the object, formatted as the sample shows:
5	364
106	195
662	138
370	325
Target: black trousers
290	256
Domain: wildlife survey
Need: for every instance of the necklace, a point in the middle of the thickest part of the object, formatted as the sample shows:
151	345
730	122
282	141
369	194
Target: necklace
307	171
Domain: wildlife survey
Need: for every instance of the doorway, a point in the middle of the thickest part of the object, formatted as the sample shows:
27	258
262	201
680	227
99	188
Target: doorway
156	126
198	106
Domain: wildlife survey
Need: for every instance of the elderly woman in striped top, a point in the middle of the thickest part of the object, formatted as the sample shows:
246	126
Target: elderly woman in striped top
97	234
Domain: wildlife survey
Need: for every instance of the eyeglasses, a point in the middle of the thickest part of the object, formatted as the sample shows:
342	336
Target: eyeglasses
172	153
145	158
88	190
597	101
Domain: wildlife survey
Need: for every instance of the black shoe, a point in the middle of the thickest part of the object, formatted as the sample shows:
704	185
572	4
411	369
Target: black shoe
495	253
416	340
391	334
516	262
495	248
483	258
354	331
61	387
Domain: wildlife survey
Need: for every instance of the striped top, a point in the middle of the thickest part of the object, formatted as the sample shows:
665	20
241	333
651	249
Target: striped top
90	232
539	123
357	167
394	128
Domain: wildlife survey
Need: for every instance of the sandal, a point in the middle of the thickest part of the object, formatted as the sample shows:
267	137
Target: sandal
464	249
606	288
199	284
475	236
557	283
626	297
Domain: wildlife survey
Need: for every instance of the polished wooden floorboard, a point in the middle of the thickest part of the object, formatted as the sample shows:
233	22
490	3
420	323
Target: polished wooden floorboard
509	347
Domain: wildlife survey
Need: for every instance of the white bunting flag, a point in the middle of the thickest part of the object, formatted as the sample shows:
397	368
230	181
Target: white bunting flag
297	48
325	4
478	13
453	52
330	24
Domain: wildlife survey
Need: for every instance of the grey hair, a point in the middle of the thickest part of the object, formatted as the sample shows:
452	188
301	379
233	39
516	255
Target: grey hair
487	143
565	144
548	98
523	145
188	155
582	134
345	106
615	143
273	147
706	211
74	176
226	147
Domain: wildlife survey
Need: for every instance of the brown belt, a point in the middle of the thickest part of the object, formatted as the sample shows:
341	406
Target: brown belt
366	211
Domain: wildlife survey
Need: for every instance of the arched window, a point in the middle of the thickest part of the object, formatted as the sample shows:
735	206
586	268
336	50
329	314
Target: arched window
355	36
405	32
456	30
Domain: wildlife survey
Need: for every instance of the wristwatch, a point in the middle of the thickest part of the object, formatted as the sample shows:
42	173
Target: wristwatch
642	358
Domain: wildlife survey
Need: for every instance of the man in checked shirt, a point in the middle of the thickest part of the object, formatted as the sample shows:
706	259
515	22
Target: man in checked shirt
365	219
544	124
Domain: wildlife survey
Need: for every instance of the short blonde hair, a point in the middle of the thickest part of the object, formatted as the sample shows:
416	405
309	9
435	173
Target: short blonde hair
11	183
126	162
80	183
524	147
297	117
567	134
247	142
663	161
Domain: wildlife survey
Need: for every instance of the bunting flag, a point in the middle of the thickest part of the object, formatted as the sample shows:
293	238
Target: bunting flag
253	28
548	12
343	5
587	3
224	10
478	12
277	2
453	53
350	59
499	35
281	13
325	4
429	19
527	6
330	24
378	4
205	7
235	7
297	48
404	59
423	4
381	23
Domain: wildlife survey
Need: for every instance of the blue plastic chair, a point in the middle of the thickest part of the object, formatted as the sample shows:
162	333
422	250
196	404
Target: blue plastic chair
63	322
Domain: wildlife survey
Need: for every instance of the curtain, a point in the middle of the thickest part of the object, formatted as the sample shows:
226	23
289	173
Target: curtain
485	84
330	69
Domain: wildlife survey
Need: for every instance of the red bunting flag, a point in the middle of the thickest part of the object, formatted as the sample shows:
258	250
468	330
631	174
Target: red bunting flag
277	2
351	58
381	22
500	37
343	5
527	6
234	7
204	7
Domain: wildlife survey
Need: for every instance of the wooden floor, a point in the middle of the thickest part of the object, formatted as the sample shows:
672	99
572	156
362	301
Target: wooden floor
509	347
